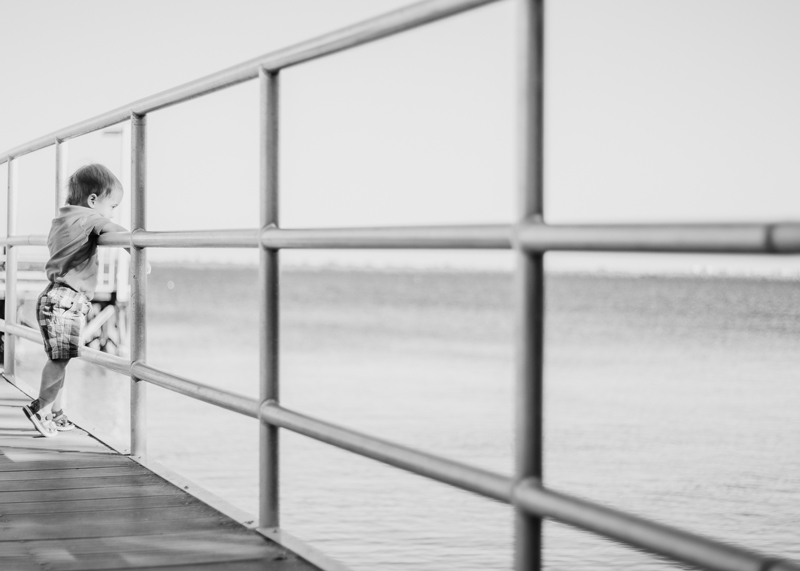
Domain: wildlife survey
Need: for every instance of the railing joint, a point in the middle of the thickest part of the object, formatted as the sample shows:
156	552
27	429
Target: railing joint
267	70
134	233
519	228
266	404
134	365
515	239
262	236
520	484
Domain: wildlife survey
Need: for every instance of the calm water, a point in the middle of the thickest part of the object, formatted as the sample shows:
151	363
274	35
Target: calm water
675	398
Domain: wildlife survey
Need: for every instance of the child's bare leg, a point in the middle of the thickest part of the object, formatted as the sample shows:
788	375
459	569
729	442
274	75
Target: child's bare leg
53	375
61	399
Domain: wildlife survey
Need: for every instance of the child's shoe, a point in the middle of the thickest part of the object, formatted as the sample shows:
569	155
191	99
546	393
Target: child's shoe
45	427
61	422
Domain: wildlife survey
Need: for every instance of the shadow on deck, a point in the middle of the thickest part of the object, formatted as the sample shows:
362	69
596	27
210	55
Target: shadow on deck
70	502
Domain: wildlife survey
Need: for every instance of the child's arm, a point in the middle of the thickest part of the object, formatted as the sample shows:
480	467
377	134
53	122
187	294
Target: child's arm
112	227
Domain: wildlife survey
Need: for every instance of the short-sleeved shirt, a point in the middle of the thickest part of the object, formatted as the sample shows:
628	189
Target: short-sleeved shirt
73	248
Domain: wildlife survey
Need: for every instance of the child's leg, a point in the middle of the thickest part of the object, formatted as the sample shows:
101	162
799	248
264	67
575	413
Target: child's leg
53	375
61	398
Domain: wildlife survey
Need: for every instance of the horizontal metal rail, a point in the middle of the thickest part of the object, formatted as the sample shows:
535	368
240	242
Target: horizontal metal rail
409	237
358	34
199	391
221	398
30	240
182	239
116	364
779	238
121	239
22	331
112	362
782	238
462	476
196	239
639	532
466	237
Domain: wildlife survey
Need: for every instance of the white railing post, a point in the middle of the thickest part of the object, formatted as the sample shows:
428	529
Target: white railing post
62	156
138	328
269	473
529	279
123	288
10	342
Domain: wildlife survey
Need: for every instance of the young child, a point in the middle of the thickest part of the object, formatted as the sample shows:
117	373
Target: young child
94	193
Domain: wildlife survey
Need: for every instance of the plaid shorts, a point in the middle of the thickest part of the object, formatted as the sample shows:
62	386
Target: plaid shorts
62	314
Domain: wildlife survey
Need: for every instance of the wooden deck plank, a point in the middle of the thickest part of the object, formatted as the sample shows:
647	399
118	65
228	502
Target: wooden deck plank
149	559
135	515
253	565
29	444
81	483
94	504
28	438
157	551
88	493
115	529
221	541
16	432
65	463
44	449
23	563
57	474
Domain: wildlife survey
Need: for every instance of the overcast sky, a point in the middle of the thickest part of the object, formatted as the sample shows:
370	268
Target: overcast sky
663	110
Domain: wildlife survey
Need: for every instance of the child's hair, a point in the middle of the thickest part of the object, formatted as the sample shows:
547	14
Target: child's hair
88	180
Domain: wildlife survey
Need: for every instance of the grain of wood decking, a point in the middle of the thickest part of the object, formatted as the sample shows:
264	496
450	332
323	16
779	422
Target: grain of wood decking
71	503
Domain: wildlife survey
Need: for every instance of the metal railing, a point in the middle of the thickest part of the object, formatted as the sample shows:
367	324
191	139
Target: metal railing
530	238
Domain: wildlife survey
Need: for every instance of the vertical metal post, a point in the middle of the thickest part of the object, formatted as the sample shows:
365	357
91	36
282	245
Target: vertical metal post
530	278
123	260
61	174
269	509
11	271
61	199
138	284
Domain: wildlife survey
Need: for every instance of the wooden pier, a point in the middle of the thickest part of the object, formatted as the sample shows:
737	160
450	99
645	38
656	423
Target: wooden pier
71	503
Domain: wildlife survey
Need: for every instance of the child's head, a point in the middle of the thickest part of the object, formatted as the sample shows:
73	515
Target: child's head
96	187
